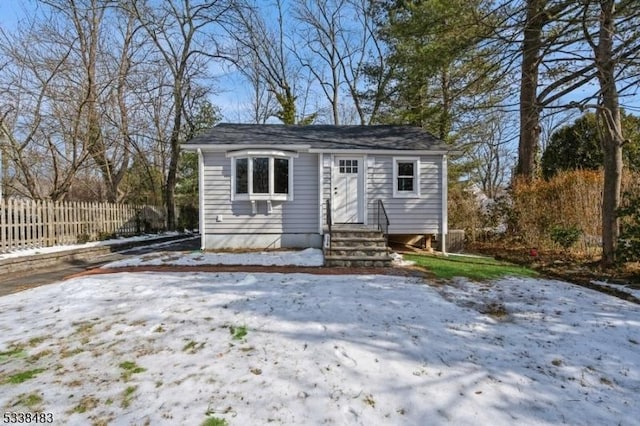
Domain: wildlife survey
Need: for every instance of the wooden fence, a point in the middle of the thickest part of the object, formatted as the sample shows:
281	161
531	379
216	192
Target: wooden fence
35	223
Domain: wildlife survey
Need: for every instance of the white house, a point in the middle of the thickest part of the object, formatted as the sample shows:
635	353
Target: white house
270	186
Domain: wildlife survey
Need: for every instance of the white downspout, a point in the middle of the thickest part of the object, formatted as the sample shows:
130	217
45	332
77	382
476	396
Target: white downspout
444	186
320	200
201	198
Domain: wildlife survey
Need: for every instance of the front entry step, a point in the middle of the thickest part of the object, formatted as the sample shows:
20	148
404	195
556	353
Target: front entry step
357	262
357	247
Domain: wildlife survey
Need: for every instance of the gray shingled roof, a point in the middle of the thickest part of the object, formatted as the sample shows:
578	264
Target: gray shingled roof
322	137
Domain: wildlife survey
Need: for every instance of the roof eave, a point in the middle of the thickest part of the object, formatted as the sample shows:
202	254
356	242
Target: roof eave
307	148
235	147
381	151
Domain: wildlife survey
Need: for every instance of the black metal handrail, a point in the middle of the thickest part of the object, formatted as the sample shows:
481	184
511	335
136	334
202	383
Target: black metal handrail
329	223
383	221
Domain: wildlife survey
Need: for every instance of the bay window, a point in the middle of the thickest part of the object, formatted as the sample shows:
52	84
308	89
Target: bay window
242	173
261	175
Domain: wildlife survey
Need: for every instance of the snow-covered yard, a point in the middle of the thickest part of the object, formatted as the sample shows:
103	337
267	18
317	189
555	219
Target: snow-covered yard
307	257
176	348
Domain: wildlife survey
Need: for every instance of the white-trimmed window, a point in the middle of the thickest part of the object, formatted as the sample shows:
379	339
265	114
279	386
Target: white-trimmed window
406	177
261	175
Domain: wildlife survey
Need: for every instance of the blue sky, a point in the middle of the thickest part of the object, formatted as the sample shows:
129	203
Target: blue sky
9	11
230	91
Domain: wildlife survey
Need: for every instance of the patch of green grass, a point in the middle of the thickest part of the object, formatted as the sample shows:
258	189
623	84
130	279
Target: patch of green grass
83	327
14	352
474	268
31	400
215	421
127	396
41	354
238	333
66	353
24	376
85	404
35	341
193	347
130	368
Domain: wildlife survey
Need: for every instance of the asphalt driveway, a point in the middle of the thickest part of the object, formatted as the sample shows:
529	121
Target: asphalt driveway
14	282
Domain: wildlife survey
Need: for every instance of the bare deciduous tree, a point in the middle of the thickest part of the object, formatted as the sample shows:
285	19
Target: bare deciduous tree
264	55
492	154
337	41
41	121
322	34
180	32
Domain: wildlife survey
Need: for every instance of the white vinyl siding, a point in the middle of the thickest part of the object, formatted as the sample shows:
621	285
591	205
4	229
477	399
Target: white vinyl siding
327	164
415	215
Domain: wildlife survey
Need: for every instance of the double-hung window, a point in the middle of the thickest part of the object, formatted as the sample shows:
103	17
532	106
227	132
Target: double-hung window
261	175
406	177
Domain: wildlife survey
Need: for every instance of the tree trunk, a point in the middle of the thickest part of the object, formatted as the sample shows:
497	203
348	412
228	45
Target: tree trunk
529	108
611	195
169	195
444	121
612	138
174	156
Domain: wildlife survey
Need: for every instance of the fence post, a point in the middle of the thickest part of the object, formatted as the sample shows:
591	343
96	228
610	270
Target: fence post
38	220
29	222
111	215
49	223
10	222
82	219
106	212
74	219
69	210
65	230
100	219
59	231
3	226
21	223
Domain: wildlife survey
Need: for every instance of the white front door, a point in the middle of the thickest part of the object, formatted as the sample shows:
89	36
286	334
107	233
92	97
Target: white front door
347	182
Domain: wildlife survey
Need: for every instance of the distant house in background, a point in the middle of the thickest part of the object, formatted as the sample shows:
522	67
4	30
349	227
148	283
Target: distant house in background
271	186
